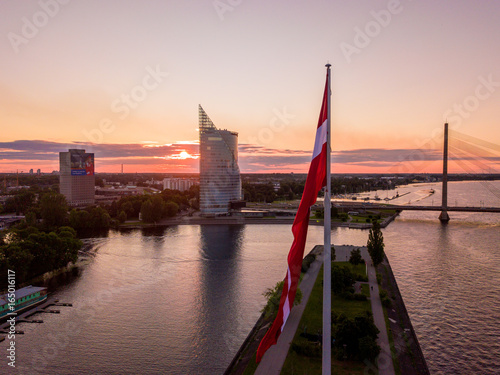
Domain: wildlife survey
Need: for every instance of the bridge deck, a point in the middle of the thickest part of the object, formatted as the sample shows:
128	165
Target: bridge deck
416	208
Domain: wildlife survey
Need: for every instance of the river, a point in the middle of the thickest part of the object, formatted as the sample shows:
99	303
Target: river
180	300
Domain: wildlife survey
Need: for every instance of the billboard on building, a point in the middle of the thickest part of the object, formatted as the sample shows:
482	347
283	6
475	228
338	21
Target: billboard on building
82	164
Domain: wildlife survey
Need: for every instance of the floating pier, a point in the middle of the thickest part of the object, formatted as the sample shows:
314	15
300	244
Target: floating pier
23	317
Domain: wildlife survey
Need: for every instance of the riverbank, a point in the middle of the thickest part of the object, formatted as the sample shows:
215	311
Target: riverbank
237	220
85	256
406	353
404	346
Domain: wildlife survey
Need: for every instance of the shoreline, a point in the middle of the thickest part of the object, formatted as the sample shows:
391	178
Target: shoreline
245	221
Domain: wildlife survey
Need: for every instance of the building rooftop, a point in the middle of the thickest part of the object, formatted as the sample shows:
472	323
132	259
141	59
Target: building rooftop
23	292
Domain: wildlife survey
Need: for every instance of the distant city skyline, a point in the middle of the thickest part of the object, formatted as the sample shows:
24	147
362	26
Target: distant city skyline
123	81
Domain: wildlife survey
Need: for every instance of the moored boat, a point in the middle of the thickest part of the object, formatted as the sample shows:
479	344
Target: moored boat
21	300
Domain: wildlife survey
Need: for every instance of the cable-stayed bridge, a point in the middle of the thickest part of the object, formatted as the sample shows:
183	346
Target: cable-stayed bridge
465	150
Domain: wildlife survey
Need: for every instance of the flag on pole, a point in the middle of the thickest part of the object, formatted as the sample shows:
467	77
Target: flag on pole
316	180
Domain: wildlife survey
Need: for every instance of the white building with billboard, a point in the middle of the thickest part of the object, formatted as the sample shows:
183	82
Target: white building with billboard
76	177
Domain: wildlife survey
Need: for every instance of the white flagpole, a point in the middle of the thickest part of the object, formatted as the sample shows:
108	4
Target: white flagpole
327	267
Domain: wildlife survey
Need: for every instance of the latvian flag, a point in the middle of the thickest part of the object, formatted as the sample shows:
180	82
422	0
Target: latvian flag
316	180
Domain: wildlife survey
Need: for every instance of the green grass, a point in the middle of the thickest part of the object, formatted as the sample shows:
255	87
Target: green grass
365	289
359	269
252	366
312	320
395	360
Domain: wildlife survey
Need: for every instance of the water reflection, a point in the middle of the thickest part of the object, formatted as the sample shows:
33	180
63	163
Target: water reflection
220	242
219	283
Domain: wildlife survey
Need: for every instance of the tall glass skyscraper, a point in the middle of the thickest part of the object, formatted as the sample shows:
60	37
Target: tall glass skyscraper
220	182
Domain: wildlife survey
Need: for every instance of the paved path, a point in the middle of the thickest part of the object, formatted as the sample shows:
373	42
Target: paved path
273	360
384	360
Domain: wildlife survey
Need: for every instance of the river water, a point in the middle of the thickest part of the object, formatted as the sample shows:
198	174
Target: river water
180	300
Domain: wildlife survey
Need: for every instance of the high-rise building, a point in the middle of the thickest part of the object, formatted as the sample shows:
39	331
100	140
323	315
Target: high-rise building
220	182
76	177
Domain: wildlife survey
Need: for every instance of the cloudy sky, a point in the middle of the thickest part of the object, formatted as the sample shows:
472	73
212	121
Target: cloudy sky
123	79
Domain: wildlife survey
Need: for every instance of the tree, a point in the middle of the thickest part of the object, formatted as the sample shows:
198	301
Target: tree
356	338
99	218
147	212
31	219
122	217
342	279
171	209
53	210
375	244
158	207
128	208
356	257
18	259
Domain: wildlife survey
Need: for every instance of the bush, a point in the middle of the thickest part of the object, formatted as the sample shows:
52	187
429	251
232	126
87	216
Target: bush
347	295
361	278
307	349
359	297
307	261
273	297
379	278
368	348
354	338
386	302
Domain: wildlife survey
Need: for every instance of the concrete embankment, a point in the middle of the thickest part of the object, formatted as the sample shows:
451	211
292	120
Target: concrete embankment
407	348
184	220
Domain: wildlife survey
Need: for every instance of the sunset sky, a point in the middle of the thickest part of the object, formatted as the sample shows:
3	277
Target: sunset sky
123	79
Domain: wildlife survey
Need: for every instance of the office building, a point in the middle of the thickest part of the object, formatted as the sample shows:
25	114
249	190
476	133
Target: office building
180	184
220	182
76	177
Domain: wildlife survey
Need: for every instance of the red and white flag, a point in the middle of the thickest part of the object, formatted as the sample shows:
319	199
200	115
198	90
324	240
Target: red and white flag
316	180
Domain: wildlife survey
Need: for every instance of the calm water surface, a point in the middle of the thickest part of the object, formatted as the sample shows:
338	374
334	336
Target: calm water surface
180	300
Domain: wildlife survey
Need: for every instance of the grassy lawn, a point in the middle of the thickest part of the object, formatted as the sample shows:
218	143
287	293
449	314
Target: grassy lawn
312	322
365	289
360	269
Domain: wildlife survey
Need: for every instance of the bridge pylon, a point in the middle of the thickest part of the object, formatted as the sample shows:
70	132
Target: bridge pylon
444	217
